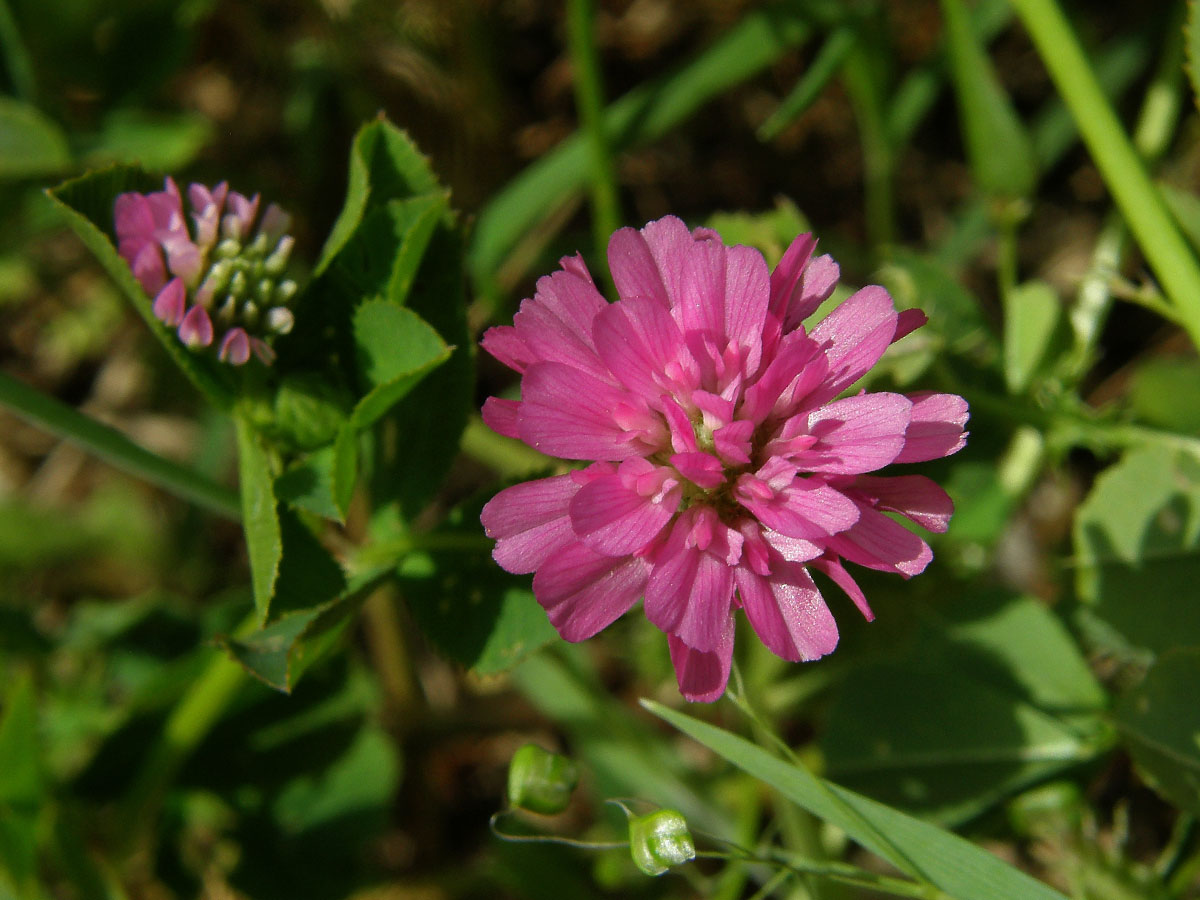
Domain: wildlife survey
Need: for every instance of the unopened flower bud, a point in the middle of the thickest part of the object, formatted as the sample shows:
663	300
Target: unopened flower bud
258	246
228	248
285	291
280	320
540	781
277	261
237	284
250	313
660	840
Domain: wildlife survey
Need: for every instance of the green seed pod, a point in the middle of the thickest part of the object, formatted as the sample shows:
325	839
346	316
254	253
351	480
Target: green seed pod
660	840
540	781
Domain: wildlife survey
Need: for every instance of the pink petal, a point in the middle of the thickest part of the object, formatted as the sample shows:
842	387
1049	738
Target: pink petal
838	574
196	329
747	293
149	268
914	496
854	336
690	590
797	369
694	275
808	510
621	513
568	413
855	434
788	613
235	347
787	273
170	303
732	442
505	344
584	592
641	345
702	676
700	468
501	415
816	286
556	325
880	543
936	429
132	217
530	522
634	271
908	321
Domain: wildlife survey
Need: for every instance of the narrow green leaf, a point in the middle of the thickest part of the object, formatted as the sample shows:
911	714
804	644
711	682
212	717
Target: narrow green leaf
113	447
648	112
396	349
16	55
1137	550
260	516
816	77
938	857
345	469
1032	313
87	205
22	785
998	146
30	143
1158	719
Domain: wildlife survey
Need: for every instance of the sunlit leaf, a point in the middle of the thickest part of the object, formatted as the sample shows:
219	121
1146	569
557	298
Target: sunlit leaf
1032	312
1137	549
1159	722
30	143
941	858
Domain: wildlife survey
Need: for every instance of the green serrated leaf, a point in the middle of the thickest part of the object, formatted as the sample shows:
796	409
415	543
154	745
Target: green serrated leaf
309	410
396	348
432	417
920	849
473	611
260	516
1163	392
1032	313
1137	550
87	205
414	220
998	146
384	165
308	484
30	143
279	653
1159	722
345	469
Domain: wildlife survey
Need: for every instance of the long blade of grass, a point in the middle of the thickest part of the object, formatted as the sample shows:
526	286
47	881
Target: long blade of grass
113	447
1164	247
950	863
642	115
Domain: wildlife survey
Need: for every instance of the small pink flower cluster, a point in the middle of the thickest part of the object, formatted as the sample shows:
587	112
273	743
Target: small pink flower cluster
725	462
223	273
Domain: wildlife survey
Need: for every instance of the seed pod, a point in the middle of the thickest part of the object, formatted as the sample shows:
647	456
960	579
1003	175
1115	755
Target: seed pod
540	781
660	840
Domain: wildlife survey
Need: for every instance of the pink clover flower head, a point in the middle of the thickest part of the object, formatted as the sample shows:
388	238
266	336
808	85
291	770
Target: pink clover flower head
727	458
221	283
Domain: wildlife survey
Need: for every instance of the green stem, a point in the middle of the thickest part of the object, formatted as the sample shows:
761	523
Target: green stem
188	724
1156	124
116	449
589	101
866	97
1140	203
